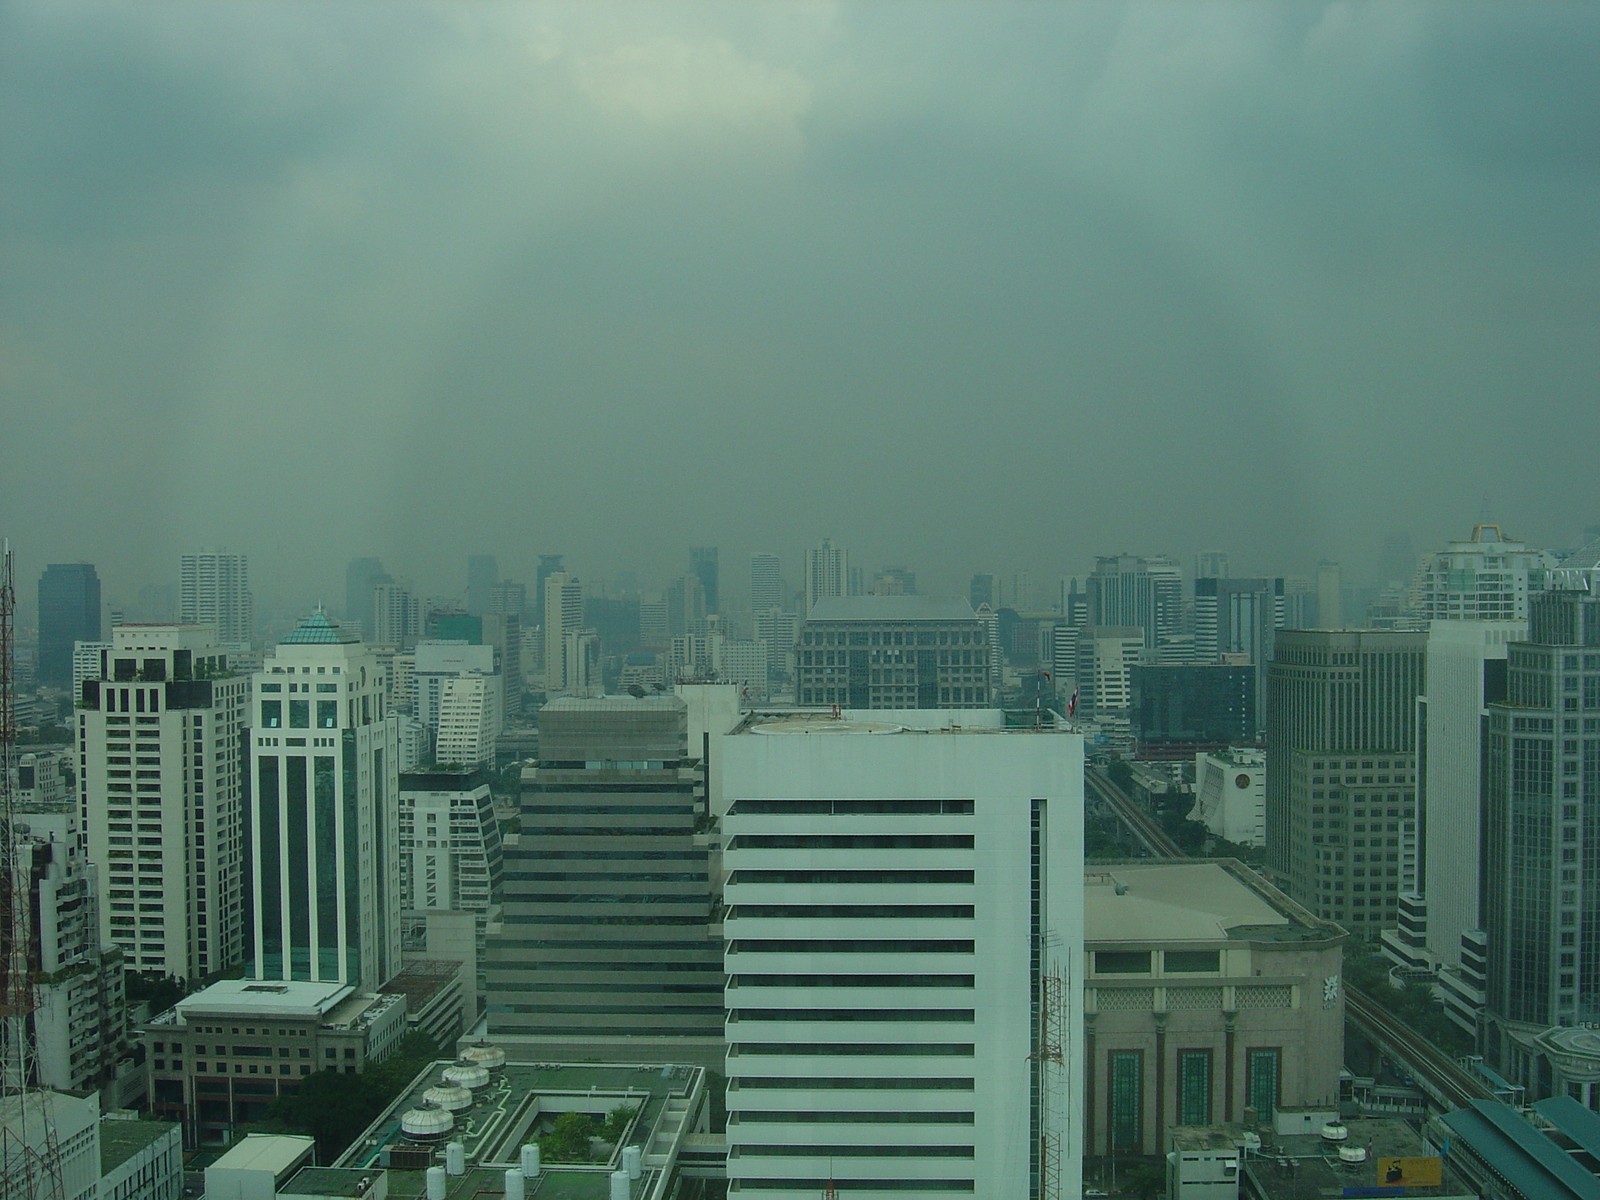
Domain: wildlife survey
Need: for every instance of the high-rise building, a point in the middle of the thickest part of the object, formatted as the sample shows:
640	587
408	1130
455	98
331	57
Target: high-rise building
703	566
1488	577
894	581
396	615
503	631
549	564
1341	771
686	606
1180	709
827	573
563	614
161	787
360	578
435	663
1148	592
1238	616
469	720
903	910
780	631
1330	595
893	652
1541	840
1211	564
608	904
766	583
69	612
508	598
483	573
981	591
214	589
450	849
324	831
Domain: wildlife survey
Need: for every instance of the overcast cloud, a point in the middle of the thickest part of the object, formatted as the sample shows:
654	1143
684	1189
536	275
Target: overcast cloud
963	286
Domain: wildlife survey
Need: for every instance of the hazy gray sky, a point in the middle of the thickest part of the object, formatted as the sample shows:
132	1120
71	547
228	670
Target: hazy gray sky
964	286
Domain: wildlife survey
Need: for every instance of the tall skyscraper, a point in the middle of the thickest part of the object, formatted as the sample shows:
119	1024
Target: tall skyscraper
903	910
703	565
766	583
1148	592
563	614
1341	771
360	578
69	611
608	900
469	721
686	606
895	581
483	572
160	769
396	615
827	573
214	589
1330	596
981	591
1488	577
324	830
1541	839
549	564
1239	616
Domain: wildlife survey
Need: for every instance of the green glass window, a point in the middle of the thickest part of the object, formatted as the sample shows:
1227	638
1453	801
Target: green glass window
271	714
327	714
1261	1082
1127	1100
1194	1087
299	714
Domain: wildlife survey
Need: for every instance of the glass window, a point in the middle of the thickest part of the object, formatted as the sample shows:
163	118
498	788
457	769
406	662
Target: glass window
271	713
1193	960
1127	1100
1194	1087
1122	962
327	714
1261	1082
299	714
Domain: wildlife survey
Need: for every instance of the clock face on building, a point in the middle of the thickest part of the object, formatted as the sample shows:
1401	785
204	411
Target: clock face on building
1242	781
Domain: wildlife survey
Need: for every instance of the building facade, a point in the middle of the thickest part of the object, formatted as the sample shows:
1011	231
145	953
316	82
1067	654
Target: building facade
1341	772
214	589
902	912
1178	709
1487	577
69	612
766	583
827	574
563	615
893	652
1125	589
450	851
1230	794
161	794
324	831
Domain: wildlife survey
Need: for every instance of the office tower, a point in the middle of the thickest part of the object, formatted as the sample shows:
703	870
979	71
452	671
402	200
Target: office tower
766	583
563	614
1299	602
1211	564
1341	771
827	573
1397	561
468	721
893	652
86	658
780	631
69	612
1239	616
396	615
503	631
508	598
1148	592
1106	657
1541	839
902	912
324	833
78	1025
686	606
1488	577
981	591
894	581
652	622
549	564
703	566
608	902
483	573
435	663
360	578
1022	591
161	786
214	589
1330	596
450	851
1181	709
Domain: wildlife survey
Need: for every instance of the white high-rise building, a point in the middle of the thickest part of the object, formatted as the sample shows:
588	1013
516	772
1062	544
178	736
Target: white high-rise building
903	932
324	767
468	721
85	664
161	792
450	851
766	583
827	573
436	663
396	615
563	614
214	589
1487	577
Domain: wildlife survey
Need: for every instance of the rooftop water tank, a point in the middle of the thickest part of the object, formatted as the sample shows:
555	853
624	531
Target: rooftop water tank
436	1183
467	1075
486	1055
449	1097
1334	1132
1353	1155
455	1158
426	1123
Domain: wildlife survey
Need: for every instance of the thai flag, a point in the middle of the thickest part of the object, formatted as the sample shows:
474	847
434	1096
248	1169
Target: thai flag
1072	705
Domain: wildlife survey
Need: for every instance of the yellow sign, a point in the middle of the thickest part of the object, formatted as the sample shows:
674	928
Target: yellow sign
1412	1172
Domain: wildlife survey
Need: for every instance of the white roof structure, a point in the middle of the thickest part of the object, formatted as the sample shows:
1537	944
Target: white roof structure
1170	902
266	998
275	1152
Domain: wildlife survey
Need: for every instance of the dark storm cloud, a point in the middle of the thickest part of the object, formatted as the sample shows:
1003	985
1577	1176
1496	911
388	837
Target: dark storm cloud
967	286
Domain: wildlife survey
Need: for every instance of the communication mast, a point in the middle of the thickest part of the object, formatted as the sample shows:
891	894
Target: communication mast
1051	1057
30	1152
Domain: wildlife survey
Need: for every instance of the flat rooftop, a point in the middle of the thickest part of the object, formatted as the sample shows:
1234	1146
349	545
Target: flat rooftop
420	981
121	1139
265	998
1190	901
1304	1167
275	1152
891	608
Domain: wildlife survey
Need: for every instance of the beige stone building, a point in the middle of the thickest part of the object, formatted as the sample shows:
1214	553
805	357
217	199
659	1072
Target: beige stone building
1206	992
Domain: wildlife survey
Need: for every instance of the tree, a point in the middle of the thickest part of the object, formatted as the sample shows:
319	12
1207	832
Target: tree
335	1107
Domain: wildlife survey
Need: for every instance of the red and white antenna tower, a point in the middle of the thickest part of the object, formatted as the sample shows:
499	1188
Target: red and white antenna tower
30	1152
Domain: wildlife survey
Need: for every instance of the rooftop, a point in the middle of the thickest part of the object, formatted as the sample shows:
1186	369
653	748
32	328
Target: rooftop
319	630
271	998
1304	1167
663	701
1518	1152
275	1152
121	1139
892	608
1191	901
420	981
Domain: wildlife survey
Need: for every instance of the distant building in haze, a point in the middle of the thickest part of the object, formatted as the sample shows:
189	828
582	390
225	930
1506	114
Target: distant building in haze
483	573
766	583
1487	577
1180	709
703	566
69	612
1147	592
981	591
214	589
827	574
563	615
360	578
893	652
